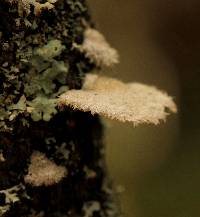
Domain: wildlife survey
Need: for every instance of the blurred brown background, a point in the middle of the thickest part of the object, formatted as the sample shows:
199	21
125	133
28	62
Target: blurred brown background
159	44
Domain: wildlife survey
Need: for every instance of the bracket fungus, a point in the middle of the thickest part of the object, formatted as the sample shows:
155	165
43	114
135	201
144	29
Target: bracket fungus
98	50
126	102
52	162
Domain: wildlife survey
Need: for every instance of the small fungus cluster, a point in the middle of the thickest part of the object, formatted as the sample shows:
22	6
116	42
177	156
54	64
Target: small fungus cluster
131	102
127	102
42	171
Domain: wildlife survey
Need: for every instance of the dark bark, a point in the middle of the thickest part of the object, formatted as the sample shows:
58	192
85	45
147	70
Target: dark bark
30	81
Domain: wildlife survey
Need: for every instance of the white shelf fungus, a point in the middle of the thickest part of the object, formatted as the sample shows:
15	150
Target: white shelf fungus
126	102
98	50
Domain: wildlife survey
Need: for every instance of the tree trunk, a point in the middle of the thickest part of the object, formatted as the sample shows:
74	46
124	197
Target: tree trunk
39	60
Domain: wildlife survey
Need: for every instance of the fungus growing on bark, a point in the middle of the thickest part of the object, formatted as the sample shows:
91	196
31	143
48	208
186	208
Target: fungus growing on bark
45	53
98	50
42	171
126	102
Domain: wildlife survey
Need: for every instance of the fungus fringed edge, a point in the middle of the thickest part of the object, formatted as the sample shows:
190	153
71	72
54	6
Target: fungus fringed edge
126	102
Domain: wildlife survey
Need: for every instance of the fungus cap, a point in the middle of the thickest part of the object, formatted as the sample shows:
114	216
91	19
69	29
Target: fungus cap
126	102
98	50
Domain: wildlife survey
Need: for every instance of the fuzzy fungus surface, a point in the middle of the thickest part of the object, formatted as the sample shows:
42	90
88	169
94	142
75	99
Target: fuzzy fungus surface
126	102
98	50
42	171
48	47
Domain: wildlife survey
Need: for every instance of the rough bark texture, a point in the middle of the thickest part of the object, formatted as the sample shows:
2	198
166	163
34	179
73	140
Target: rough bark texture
40	60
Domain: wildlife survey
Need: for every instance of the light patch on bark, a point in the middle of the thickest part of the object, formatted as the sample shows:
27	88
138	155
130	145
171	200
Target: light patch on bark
42	171
2	159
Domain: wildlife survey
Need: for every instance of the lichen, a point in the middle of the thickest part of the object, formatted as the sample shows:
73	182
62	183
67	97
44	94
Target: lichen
90	207
42	108
42	87
62	152
53	49
20	105
11	197
24	6
38	60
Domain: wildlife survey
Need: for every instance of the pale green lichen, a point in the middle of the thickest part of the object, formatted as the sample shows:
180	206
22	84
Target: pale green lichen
39	59
53	49
42	108
11	197
90	207
20	105
62	151
45	81
3	114
46	70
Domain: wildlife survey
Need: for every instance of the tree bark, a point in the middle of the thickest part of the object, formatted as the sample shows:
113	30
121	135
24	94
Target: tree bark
38	61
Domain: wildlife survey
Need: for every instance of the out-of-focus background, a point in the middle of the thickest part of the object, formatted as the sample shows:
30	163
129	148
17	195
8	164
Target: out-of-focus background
159	44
